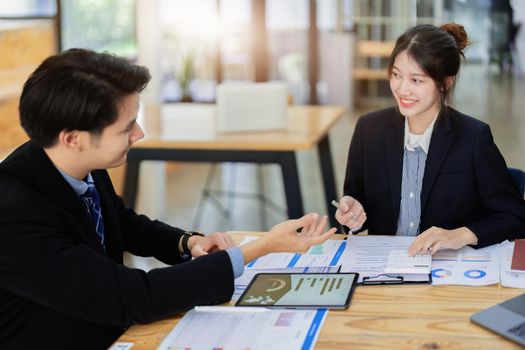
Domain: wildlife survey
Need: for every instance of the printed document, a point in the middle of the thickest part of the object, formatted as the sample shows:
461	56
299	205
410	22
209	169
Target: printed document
466	266
369	256
224	327
327	254
509	277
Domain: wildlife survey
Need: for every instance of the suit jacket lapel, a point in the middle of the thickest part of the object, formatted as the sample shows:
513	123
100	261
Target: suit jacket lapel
50	182
442	137
394	158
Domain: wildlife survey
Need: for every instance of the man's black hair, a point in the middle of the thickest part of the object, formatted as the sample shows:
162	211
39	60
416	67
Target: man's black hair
77	90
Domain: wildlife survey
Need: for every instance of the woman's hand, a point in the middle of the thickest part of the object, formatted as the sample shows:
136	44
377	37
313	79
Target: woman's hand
350	213
436	238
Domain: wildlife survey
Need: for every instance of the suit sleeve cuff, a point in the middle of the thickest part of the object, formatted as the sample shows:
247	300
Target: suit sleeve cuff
237	260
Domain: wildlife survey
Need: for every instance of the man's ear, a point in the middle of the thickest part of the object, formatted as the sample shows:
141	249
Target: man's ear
71	139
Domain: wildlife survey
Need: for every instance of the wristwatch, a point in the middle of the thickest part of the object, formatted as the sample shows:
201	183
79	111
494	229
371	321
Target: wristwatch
185	238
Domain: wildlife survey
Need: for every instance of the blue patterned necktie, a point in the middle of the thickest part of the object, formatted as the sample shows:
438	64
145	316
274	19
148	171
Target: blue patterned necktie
92	201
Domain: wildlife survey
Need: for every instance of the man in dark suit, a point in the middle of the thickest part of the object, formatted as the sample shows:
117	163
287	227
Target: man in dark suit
63	229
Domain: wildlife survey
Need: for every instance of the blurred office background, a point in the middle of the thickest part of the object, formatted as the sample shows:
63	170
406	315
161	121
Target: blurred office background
327	51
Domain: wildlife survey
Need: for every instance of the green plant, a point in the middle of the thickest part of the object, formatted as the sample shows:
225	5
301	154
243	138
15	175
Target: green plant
185	74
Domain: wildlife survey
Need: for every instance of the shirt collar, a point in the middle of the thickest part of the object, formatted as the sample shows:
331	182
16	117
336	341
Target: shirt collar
412	141
79	186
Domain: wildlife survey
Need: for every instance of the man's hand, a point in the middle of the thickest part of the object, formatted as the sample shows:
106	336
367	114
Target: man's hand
436	238
350	213
284	237
199	245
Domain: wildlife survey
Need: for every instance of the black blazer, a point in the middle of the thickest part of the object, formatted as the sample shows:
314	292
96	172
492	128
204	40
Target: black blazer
466	181
59	289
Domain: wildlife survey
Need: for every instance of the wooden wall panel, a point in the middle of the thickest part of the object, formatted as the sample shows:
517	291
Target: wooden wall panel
24	45
12	133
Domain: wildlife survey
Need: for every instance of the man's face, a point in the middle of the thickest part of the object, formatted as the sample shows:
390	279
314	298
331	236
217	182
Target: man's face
110	148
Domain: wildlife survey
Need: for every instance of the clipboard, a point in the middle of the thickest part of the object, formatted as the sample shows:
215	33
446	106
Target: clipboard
369	255
390	279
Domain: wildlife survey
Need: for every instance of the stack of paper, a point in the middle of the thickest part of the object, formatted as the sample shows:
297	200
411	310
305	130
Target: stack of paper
223	327
259	328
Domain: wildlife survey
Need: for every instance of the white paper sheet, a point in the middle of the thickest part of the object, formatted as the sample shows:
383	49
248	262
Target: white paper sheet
241	328
327	254
121	346
466	266
368	255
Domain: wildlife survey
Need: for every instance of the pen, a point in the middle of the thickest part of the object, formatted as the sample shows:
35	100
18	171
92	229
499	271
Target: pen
230	309
336	204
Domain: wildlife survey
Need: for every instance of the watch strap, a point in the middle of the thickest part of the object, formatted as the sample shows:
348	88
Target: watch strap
185	238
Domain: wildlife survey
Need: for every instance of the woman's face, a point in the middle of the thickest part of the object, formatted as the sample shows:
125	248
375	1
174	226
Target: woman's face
415	92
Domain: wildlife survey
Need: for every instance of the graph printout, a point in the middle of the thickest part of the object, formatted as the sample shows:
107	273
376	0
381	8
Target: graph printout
327	254
466	266
244	329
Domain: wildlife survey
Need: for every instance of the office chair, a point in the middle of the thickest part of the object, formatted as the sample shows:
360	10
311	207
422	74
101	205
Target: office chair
519	178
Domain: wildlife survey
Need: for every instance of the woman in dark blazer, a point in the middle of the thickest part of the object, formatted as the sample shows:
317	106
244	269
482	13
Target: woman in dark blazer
424	169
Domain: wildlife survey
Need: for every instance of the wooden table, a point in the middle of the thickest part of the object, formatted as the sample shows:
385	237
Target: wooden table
5	151
187	133
389	317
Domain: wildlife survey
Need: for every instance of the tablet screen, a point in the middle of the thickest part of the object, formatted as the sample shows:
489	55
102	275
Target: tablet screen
300	290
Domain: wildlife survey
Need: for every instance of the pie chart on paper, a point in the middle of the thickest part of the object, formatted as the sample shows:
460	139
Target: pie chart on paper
441	273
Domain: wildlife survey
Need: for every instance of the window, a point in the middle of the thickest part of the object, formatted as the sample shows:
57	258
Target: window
100	25
27	8
194	34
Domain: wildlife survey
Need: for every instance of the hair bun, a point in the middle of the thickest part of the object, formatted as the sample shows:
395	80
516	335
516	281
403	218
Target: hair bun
458	33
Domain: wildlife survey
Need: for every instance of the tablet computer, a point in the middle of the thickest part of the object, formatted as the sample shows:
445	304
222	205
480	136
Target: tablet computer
300	290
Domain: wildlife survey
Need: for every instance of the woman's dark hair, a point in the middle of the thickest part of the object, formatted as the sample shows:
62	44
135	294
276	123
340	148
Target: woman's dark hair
437	50
77	90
